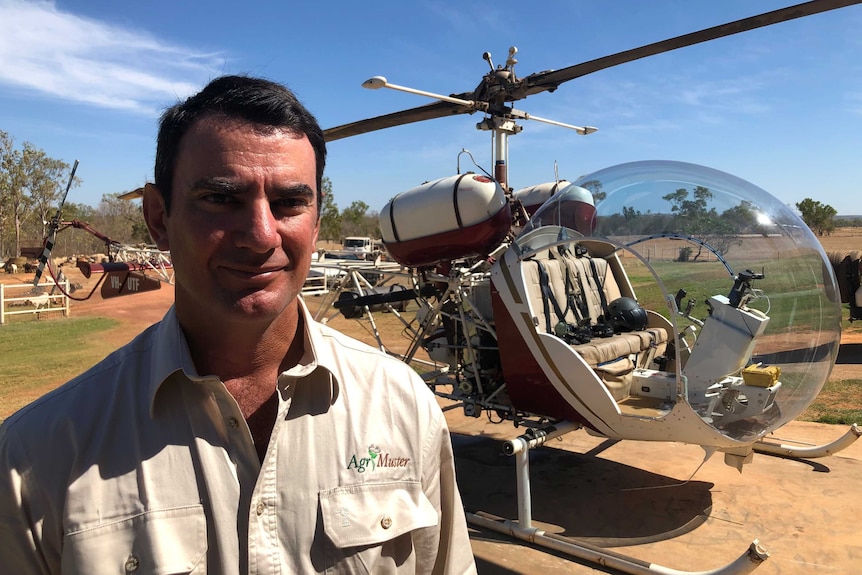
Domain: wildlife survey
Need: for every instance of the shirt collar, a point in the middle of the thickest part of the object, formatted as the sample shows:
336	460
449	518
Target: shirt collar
171	354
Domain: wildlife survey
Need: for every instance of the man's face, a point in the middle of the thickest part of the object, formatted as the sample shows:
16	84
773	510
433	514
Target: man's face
243	221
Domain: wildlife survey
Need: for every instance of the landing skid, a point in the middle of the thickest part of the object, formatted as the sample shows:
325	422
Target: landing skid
522	528
810	452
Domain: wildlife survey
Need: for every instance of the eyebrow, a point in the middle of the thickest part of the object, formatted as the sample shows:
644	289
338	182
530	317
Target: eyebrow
229	187
217	185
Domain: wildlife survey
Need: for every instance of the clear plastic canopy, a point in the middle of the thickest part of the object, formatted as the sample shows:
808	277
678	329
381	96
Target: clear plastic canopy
686	233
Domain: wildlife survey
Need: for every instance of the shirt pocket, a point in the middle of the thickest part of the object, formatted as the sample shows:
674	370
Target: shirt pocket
370	527
161	542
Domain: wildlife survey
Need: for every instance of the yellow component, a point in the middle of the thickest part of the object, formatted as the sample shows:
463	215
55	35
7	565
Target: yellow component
760	375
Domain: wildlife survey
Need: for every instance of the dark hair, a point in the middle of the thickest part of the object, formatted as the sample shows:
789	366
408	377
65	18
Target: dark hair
254	100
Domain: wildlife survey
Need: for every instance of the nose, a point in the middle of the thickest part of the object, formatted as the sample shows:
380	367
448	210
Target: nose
258	230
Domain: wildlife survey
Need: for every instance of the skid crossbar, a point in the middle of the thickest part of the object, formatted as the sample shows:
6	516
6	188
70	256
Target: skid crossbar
523	528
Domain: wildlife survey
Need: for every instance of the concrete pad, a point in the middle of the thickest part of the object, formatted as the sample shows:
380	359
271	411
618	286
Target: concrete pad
655	502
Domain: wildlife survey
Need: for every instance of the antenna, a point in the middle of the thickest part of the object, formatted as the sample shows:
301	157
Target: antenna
472	159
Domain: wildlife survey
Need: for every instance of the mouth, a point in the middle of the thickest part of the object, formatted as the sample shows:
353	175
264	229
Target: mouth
254	274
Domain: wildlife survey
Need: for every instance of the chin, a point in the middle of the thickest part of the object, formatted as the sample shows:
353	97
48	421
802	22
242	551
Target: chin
259	305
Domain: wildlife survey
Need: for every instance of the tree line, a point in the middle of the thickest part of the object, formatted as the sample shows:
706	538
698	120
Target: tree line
691	214
32	185
354	220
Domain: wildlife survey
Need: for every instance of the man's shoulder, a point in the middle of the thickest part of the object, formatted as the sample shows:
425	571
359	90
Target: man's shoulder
355	359
343	343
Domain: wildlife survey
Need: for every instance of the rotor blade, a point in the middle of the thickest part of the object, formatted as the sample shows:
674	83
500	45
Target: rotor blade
550	80
52	231
427	112
133	195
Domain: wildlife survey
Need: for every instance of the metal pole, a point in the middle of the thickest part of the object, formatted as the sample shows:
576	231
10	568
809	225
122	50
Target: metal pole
523	527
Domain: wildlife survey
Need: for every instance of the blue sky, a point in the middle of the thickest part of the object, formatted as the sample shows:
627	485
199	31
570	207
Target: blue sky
780	107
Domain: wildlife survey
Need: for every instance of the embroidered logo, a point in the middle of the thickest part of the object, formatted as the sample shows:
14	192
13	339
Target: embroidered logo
375	458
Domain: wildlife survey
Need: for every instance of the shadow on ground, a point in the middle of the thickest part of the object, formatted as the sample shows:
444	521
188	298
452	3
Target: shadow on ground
849	353
581	495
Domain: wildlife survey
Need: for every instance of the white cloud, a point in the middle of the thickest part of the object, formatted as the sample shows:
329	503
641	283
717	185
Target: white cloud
75	58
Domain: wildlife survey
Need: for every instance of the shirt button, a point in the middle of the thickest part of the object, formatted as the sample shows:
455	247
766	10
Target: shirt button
260	508
132	563
386	522
233	422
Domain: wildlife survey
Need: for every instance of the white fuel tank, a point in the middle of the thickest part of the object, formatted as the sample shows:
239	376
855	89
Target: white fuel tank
533	197
446	219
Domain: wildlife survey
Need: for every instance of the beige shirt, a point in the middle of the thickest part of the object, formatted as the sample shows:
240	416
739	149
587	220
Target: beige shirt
141	465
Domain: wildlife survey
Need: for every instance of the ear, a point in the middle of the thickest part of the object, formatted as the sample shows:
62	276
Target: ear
156	216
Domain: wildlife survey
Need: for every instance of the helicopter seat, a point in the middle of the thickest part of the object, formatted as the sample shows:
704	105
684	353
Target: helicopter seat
614	357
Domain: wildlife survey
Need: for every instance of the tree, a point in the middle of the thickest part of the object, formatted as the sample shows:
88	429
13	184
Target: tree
7	148
630	213
354	221
72	241
817	216
595	188
694	208
13	197
121	220
702	222
742	217
330	218
30	185
45	179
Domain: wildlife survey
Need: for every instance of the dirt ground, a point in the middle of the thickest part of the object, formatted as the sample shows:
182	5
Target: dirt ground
652	501
142	310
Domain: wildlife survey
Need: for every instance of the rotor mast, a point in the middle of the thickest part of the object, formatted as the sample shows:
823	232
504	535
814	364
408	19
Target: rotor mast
489	97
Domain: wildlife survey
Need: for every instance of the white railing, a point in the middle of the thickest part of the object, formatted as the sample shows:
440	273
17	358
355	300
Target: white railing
316	284
51	299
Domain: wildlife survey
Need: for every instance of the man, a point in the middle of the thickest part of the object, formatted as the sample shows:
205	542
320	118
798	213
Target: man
236	435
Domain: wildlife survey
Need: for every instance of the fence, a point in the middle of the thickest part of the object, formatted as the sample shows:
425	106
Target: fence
317	283
26	295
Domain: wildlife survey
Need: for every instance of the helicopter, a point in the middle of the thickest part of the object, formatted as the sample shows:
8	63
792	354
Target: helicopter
655	300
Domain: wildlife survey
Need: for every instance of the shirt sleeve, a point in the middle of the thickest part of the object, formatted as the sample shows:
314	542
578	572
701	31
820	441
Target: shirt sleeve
20	547
447	551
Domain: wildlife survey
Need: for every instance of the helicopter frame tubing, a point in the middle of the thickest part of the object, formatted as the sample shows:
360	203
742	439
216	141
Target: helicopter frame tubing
522	528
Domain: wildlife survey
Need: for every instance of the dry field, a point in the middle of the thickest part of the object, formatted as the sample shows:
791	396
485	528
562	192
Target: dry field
646	499
139	311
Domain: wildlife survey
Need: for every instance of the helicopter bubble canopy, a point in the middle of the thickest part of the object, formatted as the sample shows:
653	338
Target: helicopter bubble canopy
746	285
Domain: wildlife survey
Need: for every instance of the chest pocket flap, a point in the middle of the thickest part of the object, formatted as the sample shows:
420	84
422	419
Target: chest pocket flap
160	542
372	513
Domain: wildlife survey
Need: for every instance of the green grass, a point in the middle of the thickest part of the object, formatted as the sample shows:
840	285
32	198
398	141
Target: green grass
39	355
792	296
846	325
839	402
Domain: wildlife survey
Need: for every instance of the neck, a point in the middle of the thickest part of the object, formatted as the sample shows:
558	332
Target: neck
246	350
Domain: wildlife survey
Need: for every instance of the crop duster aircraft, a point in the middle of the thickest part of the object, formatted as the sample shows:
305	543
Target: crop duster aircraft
652	300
